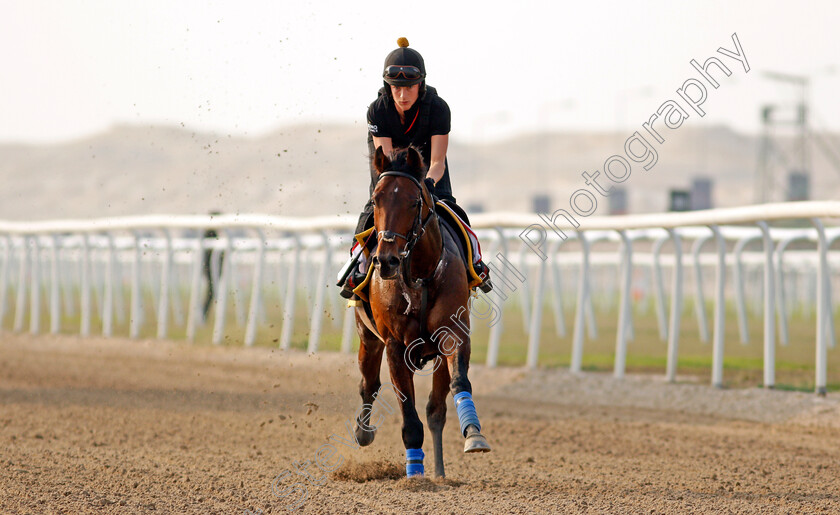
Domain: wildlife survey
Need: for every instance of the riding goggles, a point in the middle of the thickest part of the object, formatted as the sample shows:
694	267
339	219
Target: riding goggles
394	71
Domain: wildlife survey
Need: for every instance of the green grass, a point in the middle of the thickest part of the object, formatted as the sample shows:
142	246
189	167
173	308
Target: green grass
743	364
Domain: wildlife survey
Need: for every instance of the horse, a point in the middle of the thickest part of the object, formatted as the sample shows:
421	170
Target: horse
418	298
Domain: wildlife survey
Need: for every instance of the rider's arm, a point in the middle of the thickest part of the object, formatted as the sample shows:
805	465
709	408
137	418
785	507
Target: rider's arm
385	143
438	164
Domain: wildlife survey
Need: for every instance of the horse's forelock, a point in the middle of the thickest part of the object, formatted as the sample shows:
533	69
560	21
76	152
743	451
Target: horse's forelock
400	163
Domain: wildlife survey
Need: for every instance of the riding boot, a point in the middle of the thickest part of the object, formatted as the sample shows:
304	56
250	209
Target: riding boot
353	280
357	276
483	271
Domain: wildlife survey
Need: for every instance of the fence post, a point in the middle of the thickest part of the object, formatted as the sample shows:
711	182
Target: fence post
55	287
195	286
828	320
4	279
720	313
557	287
823	310
769	309
20	304
536	316
236	296
174	292
525	294
320	291
781	302
254	308
583	293
496	329
700	298
336	302
624	306
347	330
740	295
631	331
119	291
165	272
291	294
108	300
676	309
659	289
35	279
221	295
85	287
135	315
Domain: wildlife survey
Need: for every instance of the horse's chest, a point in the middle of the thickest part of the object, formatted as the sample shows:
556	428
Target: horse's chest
396	310
391	296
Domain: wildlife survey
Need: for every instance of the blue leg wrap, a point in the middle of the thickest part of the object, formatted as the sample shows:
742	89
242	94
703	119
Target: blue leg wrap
466	411
414	462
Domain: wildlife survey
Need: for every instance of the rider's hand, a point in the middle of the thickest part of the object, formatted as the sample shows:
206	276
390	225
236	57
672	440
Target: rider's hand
430	184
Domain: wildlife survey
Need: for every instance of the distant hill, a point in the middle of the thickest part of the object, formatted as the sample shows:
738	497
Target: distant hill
308	170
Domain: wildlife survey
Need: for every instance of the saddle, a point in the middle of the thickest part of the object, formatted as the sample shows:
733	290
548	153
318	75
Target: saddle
464	237
452	223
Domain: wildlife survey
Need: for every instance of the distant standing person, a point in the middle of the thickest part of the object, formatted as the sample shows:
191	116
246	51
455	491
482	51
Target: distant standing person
207	268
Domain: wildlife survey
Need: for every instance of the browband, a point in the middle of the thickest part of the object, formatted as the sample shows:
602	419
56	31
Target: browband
394	173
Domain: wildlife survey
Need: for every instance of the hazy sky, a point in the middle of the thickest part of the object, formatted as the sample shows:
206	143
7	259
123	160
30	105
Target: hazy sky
72	68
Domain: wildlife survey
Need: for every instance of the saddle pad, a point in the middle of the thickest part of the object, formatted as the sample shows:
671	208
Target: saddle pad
362	238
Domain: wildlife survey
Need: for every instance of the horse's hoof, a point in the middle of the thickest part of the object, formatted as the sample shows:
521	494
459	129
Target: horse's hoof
364	437
476	443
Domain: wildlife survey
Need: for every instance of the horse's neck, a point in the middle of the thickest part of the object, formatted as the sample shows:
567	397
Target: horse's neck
429	250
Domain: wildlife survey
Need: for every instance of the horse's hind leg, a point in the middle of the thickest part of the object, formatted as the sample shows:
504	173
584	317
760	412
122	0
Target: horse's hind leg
436	412
370	361
459	364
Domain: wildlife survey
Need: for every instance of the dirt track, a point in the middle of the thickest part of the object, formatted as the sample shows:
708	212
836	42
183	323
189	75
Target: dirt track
118	426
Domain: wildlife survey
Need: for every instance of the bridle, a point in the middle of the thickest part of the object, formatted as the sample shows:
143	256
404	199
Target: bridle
418	228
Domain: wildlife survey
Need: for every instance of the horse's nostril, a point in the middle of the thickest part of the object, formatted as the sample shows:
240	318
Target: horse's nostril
387	265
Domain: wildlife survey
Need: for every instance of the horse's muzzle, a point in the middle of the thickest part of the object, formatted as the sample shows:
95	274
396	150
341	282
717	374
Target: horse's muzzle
387	266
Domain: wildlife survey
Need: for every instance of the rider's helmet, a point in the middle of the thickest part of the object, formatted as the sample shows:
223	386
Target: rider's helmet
404	66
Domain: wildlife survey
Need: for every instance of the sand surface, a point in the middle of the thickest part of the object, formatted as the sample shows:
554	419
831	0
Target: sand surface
122	426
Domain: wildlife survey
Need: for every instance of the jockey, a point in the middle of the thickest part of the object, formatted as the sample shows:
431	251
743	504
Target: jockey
408	112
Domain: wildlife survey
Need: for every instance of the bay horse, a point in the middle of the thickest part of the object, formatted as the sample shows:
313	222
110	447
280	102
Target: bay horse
418	295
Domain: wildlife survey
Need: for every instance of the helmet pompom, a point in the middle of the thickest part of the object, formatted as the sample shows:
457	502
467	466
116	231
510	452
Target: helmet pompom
402	42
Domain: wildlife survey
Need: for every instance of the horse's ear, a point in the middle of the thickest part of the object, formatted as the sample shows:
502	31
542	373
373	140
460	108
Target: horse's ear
415	162
380	160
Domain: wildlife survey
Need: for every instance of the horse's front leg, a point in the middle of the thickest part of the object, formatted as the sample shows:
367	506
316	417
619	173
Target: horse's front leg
370	362
412	429
436	411
459	364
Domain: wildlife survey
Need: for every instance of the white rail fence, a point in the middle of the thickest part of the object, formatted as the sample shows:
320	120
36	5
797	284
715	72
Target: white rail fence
119	272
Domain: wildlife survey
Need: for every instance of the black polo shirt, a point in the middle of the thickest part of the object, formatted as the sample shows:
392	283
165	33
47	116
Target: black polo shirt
428	117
